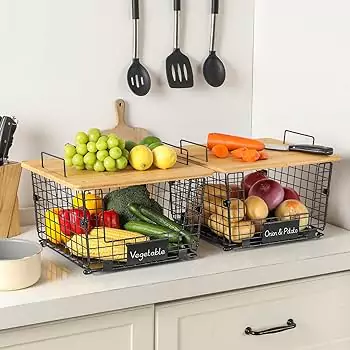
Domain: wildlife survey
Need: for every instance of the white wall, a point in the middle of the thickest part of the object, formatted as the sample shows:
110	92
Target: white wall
63	63
302	79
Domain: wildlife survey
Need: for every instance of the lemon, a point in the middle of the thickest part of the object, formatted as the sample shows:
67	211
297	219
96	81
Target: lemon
164	157
141	157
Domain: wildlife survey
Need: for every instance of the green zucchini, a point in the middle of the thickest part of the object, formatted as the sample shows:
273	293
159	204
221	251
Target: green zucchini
166	222
135	210
152	231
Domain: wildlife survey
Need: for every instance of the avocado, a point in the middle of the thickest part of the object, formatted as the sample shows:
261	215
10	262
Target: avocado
129	145
149	140
154	145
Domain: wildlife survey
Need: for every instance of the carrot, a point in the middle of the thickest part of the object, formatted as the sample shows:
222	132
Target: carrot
220	151
263	155
238	153
233	142
250	155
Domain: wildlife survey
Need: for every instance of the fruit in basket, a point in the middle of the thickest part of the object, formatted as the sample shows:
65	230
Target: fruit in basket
68	161
293	209
82	149
99	167
268	190
90	159
91	147
233	231
149	140
290	193
81	138
89	167
250	179
129	145
104	244
94	134
257	209
78	160
53	228
103	138
101	145
141	158
102	155
121	163
93	203
165	157
112	141
126	153
154	145
71	221
115	152
69	151
109	163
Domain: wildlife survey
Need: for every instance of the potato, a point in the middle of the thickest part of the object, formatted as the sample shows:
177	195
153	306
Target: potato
235	212
257	209
293	209
239	230
214	191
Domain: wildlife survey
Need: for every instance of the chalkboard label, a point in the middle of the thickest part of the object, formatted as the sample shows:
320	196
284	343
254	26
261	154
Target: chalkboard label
280	231
147	252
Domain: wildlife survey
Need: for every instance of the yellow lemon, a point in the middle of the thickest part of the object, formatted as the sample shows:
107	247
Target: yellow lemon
164	157
93	203
141	157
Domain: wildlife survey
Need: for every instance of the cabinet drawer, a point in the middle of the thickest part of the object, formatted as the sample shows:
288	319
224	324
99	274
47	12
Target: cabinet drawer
320	308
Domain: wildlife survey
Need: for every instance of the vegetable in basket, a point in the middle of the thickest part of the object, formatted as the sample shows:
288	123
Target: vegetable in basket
91	202
74	221
53	228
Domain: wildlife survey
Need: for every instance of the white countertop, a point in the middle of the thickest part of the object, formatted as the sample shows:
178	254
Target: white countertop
64	291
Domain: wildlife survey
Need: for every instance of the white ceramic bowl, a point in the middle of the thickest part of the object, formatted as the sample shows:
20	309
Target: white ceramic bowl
20	264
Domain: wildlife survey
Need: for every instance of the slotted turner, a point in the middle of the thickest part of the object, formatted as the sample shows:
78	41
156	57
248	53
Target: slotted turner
178	66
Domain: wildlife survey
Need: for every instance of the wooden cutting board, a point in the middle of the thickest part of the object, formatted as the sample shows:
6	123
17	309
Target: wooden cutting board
122	129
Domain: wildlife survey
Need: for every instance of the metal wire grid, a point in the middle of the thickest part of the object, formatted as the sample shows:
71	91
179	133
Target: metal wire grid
97	249
224	221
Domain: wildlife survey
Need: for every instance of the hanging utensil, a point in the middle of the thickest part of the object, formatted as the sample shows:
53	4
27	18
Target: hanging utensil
178	66
139	79
213	69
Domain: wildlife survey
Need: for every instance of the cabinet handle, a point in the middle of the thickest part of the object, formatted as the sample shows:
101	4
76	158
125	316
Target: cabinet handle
290	325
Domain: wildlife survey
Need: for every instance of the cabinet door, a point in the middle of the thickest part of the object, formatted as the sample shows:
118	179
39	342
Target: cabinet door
319	307
125	330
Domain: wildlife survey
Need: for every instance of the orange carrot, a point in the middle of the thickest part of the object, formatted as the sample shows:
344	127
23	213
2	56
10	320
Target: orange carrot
250	155
220	151
233	142
238	153
263	155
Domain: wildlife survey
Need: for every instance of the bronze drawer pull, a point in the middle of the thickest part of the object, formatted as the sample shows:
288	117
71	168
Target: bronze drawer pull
290	325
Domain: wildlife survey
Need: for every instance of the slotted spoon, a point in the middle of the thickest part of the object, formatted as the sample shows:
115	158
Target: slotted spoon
178	66
138	77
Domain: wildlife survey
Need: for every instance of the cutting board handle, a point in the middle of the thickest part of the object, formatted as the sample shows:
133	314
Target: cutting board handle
120	112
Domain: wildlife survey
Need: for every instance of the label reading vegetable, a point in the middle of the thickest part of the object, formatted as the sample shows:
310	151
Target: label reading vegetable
280	231
147	252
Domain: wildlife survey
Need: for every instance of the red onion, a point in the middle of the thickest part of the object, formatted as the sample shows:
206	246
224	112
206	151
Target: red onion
290	193
268	190
250	179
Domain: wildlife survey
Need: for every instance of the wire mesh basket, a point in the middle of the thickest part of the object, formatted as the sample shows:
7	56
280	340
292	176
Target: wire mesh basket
84	225
235	220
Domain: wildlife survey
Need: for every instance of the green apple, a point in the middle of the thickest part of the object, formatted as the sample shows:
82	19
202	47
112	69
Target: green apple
82	149
90	158
112	142
69	150
81	137
78	160
126	153
89	167
109	163
103	138
121	163
99	167
80	167
102	155
101	145
68	161
94	134
91	147
115	152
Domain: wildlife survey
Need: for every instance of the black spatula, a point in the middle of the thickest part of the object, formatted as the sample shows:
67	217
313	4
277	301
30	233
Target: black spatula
178	66
139	79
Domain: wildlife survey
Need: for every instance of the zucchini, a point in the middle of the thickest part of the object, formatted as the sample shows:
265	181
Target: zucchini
152	231
166	222
135	210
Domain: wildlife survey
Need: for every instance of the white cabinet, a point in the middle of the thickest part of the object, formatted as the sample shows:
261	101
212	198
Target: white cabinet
320	308
124	330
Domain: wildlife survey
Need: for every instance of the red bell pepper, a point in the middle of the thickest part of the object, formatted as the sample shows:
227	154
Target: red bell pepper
74	221
109	218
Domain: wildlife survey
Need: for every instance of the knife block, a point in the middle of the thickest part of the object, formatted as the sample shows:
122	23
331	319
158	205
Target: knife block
10	175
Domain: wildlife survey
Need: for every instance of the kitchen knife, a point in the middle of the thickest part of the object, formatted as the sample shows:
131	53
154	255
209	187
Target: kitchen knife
8	127
315	149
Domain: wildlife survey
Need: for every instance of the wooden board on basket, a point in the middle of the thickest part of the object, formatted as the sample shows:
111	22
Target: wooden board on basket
277	159
122	129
